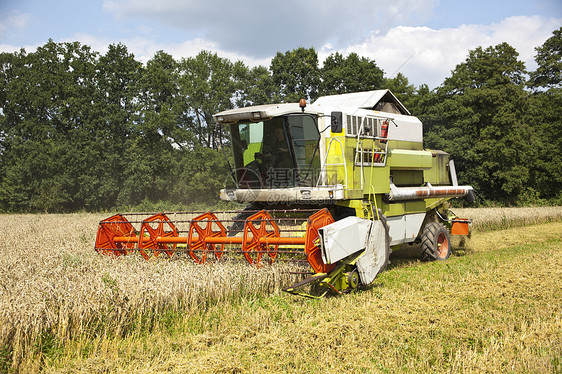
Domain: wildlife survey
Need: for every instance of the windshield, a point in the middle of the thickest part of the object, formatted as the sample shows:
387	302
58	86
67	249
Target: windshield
277	153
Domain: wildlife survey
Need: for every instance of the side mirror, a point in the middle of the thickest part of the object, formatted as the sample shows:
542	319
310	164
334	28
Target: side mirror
337	122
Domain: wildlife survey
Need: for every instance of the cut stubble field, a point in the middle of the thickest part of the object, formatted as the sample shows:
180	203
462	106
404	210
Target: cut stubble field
494	306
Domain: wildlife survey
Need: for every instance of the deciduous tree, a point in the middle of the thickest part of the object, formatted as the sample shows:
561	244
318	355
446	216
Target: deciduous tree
479	118
296	75
341	75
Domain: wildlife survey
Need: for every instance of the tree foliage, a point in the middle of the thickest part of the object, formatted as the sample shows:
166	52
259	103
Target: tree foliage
296	75
481	115
549	61
545	117
341	74
80	130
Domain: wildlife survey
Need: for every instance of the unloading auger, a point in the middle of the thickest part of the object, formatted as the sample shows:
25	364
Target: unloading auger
337	185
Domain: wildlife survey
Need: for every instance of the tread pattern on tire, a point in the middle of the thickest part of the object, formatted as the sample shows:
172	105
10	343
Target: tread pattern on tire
429	240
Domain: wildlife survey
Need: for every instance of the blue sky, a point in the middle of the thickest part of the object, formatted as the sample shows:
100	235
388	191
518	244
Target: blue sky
424	39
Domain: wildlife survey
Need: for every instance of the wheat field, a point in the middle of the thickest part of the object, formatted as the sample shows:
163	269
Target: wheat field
485	219
52	280
54	288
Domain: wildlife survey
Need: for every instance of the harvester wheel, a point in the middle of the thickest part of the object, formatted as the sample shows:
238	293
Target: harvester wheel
353	279
435	242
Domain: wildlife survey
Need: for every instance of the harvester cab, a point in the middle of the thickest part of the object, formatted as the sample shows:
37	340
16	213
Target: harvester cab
339	183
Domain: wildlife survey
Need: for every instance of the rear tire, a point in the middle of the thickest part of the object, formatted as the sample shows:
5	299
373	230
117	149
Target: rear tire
435	242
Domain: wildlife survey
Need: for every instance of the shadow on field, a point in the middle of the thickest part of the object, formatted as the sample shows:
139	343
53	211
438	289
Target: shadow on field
406	255
412	254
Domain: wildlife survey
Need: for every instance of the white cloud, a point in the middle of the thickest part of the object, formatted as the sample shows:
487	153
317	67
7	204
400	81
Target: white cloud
386	31
430	55
261	28
19	20
9	48
14	22
145	48
422	54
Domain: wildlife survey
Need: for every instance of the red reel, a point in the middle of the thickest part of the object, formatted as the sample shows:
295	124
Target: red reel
312	245
110	228
204	226
257	226
157	226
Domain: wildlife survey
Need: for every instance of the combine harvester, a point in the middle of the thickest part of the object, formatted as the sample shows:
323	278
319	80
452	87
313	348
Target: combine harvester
338	183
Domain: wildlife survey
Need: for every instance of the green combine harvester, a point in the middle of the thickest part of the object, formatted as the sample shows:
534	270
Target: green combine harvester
339	182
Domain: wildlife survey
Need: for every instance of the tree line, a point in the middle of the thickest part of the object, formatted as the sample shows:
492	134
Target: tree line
80	130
